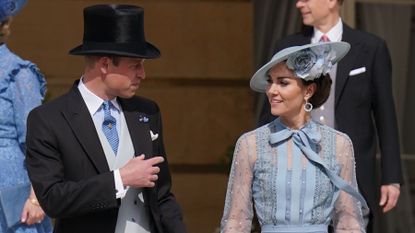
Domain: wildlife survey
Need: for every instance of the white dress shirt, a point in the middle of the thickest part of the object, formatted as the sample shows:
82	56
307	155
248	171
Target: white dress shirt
94	105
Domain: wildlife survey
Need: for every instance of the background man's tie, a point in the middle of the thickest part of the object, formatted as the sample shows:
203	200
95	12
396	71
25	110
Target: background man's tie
324	38
109	126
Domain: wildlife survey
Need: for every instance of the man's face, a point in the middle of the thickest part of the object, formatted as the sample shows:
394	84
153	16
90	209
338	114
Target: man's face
124	79
315	12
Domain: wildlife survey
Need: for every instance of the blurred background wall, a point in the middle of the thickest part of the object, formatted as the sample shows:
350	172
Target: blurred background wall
209	51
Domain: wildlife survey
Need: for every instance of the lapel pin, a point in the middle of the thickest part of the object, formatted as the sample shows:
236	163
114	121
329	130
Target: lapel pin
142	118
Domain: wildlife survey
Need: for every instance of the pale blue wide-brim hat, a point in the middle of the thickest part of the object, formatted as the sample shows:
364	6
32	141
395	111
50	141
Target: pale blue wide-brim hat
10	8
308	61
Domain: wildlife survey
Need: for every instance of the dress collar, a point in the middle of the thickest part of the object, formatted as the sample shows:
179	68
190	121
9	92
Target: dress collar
309	133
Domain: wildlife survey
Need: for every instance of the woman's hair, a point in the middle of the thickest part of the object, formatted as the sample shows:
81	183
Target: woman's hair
322	91
4	30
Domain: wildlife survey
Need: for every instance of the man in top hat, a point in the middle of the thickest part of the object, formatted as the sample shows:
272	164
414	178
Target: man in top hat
95	155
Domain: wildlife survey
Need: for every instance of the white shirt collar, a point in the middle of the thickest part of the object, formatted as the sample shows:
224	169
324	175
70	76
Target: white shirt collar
92	101
335	33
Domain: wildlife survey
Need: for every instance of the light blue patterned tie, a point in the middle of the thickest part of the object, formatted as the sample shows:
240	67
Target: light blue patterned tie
109	126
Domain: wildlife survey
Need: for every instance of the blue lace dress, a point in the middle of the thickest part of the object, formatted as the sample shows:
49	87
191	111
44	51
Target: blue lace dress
22	88
296	180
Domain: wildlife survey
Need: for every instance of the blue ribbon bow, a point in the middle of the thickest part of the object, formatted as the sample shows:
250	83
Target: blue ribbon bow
306	138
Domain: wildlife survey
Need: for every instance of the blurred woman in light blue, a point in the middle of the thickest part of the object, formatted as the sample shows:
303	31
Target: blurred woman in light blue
22	87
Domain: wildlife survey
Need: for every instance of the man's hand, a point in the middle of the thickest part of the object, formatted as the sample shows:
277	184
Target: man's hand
139	173
389	195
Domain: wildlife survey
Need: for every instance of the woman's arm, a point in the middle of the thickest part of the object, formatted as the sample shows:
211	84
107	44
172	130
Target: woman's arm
238	212
349	214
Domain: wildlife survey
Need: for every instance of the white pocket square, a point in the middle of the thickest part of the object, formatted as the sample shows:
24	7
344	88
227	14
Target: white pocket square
357	71
153	136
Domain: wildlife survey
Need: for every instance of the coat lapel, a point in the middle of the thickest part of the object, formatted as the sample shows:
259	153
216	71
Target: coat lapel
84	130
347	63
139	129
307	33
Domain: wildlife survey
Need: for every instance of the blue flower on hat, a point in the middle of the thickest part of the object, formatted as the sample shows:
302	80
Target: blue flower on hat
311	63
10	8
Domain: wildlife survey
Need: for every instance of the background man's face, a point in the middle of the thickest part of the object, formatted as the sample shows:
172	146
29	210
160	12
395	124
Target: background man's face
314	12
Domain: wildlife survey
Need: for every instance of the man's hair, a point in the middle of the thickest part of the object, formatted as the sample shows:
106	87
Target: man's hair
115	60
4	30
91	59
340	2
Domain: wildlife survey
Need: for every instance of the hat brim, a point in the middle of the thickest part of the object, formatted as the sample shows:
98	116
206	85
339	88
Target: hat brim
123	50
259	79
19	5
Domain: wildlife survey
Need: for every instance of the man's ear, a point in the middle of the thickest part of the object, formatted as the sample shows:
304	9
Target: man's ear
103	64
333	4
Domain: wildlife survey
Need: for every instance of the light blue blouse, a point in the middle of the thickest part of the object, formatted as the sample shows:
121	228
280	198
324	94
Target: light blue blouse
22	87
295	180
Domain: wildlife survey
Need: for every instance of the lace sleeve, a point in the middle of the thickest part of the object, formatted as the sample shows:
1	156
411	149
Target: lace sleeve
348	216
238	212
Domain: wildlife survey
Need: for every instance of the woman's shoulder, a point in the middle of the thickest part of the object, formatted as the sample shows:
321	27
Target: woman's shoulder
257	134
8	59
340	136
11	63
12	67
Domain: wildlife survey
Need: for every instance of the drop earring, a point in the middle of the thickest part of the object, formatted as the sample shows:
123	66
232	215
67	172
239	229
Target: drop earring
308	106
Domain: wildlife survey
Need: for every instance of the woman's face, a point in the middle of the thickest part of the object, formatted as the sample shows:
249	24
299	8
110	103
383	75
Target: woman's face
286	93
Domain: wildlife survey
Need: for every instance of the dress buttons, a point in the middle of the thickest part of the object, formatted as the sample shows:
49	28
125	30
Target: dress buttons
322	119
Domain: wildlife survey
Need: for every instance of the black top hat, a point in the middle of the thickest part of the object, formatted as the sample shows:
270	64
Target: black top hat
115	30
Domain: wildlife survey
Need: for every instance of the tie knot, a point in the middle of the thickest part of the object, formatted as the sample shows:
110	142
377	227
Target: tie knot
108	118
106	105
324	38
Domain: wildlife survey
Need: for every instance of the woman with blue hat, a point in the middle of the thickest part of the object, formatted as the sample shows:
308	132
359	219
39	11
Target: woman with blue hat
298	175
22	87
